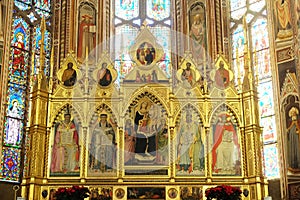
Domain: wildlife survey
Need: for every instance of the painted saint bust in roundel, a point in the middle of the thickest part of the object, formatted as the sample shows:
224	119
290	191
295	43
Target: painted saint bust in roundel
145	53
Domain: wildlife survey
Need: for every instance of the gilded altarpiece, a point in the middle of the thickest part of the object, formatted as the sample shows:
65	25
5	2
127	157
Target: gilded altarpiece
153	133
147	139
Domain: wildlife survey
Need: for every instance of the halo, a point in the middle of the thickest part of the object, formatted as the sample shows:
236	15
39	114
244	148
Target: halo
142	100
13	101
293	109
20	33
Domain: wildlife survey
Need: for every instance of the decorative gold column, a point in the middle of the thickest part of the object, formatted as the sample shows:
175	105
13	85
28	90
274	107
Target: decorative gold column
252	129
37	131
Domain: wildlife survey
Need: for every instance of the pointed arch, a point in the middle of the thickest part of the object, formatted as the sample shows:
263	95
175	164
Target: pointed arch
67	129
225	142
189	143
189	106
67	108
103	109
225	108
151	94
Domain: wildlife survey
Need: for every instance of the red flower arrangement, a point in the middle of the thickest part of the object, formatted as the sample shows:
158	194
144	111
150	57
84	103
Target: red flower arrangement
223	192
73	193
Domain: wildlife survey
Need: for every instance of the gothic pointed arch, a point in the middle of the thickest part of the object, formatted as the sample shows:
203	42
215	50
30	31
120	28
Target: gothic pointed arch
189	143
225	142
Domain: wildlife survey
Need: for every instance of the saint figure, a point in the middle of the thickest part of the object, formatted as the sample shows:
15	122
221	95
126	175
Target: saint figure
65	153
197	34
226	149
103	146
87	37
18	62
190	150
129	146
13	128
104	75
293	131
69	76
222	77
145	131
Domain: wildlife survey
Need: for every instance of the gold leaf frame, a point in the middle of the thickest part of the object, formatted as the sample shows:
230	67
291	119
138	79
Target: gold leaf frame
69	59
182	67
105	58
145	36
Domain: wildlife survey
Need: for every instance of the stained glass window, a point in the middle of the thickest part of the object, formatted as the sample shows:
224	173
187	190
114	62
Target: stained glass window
126	34
128	18
24	53
11	163
255	14
271	160
157	9
128	9
36	46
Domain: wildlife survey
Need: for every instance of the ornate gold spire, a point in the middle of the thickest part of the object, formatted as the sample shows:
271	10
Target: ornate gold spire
42	48
248	77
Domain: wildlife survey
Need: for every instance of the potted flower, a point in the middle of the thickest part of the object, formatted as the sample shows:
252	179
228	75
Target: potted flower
72	193
223	192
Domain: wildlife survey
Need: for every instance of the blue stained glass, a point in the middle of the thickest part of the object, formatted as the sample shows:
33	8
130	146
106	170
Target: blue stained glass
266	100
43	13
20	36
271	161
37	63
13	129
260	38
16	97
269	129
47	42
238	41
31	17
23	5
262	64
43	7
47	48
238	44
163	36
11	159
125	37
22	42
158	9
127	9
18	68
43	4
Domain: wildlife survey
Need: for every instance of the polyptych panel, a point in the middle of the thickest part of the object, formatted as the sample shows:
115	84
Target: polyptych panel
146	146
86	32
197	31
225	143
146	193
101	193
190	159
191	193
102	143
65	157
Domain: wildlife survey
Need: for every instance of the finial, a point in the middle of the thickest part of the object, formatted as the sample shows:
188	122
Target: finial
86	61
52	59
42	49
144	24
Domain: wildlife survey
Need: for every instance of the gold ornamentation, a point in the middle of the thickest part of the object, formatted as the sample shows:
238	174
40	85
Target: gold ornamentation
172	192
